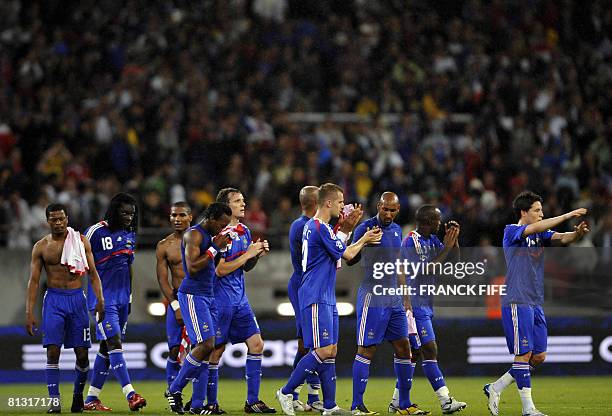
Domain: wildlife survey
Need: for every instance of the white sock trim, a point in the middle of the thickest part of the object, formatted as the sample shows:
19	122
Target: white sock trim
443	394
94	391
127	389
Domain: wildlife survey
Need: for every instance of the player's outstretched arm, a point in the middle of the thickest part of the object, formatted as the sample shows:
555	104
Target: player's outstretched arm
371	236
571	237
548	223
33	284
226	267
94	278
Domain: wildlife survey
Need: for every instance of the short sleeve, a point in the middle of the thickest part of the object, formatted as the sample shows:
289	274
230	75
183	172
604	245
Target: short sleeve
409	251
547	235
513	234
332	244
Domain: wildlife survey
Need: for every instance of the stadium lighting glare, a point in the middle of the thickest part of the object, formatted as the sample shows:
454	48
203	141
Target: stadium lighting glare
345	308
156	309
285	309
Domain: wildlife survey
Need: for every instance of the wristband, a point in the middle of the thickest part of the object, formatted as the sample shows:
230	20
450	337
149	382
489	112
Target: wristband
341	236
211	252
175	305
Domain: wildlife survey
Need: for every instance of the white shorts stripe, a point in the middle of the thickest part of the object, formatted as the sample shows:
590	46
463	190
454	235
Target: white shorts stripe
364	318
194	318
515	326
315	325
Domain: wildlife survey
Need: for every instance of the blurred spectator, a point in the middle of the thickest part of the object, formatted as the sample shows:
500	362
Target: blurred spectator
256	219
280	221
515	100
19	223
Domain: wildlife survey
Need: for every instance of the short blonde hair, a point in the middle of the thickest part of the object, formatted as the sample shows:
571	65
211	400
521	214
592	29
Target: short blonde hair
326	191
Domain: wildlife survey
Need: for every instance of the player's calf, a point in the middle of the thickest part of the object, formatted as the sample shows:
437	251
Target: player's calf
52	376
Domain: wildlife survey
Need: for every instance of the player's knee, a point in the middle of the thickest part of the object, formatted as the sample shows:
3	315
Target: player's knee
82	358
173	353
255	345
367	352
326	352
402	349
429	351
203	350
82	362
113	343
53	354
537	359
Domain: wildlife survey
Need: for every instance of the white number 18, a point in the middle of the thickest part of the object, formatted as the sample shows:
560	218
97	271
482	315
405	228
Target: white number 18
107	243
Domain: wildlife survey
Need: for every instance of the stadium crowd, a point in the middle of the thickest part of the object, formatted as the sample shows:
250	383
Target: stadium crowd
171	100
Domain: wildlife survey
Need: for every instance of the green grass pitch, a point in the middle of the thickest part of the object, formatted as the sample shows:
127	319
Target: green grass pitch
556	396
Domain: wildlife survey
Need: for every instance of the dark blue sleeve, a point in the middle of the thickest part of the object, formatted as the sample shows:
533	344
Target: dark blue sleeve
96	244
409	249
359	231
547	235
132	235
513	234
295	241
332	244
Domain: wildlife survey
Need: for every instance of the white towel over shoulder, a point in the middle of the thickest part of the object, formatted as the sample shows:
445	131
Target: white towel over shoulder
73	254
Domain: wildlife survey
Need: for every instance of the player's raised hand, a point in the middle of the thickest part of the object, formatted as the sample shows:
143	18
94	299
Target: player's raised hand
255	249
222	240
576	213
373	235
31	325
349	219
266	248
581	229
450	238
455	225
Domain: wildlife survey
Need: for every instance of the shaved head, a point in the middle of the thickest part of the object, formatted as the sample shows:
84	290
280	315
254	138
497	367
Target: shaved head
308	197
388	208
389	198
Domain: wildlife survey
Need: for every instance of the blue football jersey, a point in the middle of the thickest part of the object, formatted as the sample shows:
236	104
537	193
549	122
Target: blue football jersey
202	282
295	247
113	252
386	251
321	250
525	263
229	289
417	248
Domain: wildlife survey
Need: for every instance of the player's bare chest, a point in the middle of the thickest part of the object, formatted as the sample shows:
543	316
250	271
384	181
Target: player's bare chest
52	254
173	253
